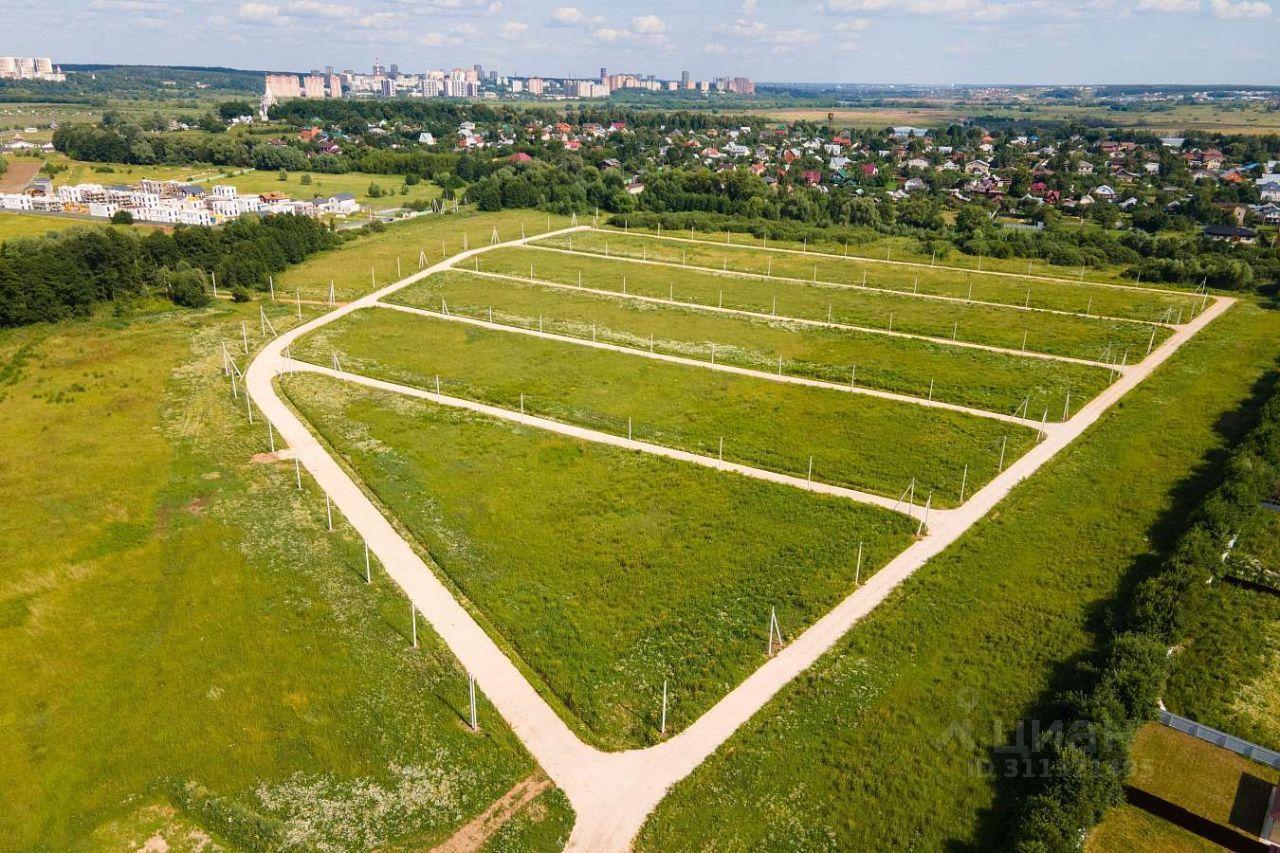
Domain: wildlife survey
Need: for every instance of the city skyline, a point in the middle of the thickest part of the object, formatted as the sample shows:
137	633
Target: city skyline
917	41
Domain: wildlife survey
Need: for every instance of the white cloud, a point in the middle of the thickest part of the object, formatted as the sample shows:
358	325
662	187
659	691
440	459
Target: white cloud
381	20
748	6
648	25
567	16
314	9
438	39
608	35
853	25
260	13
714	48
1245	9
128	5
757	32
513	30
1167	6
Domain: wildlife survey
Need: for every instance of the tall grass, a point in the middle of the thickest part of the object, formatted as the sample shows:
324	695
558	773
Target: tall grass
1056	334
608	571
1146	305
857	441
968	377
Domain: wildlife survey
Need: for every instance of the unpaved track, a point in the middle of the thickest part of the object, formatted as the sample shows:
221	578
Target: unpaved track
613	793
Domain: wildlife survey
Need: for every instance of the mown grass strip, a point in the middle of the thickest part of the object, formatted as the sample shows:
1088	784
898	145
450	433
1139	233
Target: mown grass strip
860	442
1081	337
606	570
1140	305
966	377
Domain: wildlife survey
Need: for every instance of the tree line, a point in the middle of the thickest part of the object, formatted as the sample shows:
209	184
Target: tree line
1088	766
66	274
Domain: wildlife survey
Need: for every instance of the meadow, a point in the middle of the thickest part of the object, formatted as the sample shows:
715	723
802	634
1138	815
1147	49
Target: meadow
856	441
14	226
1008	327
965	376
869	244
1147	305
388	255
185	649
249	181
607	571
1212	118
884	742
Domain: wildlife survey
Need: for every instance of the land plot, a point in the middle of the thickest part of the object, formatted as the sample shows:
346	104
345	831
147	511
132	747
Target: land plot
607	571
964	376
854	441
1134	304
1082	337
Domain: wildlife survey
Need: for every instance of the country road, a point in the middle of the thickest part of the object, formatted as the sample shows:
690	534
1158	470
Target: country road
613	793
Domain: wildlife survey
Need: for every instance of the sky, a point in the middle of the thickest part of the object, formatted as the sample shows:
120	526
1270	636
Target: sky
851	41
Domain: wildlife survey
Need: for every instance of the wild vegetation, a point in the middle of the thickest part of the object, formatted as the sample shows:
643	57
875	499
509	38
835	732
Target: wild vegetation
862	442
1076	297
606	571
159	567
971	377
65	274
1090	338
932	684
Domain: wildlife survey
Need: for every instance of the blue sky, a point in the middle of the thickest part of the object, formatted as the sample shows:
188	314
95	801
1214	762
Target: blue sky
915	41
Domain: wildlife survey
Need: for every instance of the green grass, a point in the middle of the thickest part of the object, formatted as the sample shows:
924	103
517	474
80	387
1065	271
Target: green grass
857	441
1227	672
436	236
1128	828
257	182
543	826
178	629
1057	334
1064	296
17	225
871	245
882	743
606	570
968	377
1190	773
249	181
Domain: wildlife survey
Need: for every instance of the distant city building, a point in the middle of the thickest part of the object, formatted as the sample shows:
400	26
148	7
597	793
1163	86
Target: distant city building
475	82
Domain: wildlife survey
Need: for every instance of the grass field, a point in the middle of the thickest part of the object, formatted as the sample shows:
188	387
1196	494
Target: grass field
1075	297
258	182
857	441
970	377
606	570
249	181
1075	336
871	245
184	648
940	113
1209	782
437	236
17	225
1203	688
882	744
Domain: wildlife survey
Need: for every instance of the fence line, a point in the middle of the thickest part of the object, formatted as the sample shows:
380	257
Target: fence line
1252	751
